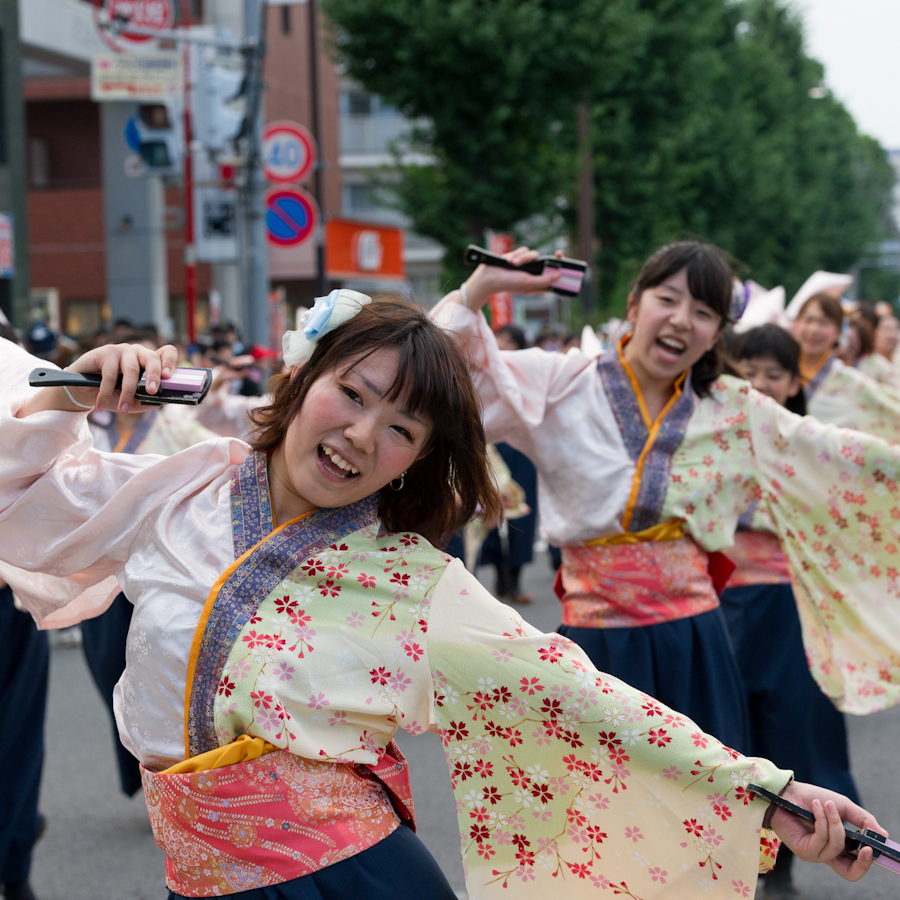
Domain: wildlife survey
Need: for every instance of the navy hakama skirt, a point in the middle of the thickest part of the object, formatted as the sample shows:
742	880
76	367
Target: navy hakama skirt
104	639
24	669
687	664
397	868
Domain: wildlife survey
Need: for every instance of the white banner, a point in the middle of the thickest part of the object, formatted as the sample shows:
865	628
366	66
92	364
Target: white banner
137	76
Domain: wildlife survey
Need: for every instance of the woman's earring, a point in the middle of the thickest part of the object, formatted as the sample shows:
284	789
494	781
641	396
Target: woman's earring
402	479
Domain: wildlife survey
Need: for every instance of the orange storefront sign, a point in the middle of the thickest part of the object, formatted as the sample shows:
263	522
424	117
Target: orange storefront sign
363	250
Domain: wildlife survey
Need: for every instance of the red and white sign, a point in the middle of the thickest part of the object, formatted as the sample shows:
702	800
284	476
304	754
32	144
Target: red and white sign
140	15
363	250
289	152
501	305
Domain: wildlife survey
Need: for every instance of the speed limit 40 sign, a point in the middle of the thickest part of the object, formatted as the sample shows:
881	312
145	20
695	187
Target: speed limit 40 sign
289	152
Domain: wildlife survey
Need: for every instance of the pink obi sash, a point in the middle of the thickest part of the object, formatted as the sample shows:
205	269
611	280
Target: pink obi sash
268	820
635	584
758	559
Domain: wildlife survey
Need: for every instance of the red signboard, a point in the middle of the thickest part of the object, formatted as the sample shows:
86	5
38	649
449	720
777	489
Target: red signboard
501	305
142	15
363	250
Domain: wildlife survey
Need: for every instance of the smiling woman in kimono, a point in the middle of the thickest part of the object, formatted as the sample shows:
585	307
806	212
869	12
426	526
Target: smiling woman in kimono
646	459
837	394
291	615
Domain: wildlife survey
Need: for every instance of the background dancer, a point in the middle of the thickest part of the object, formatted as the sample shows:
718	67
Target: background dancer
837	394
646	459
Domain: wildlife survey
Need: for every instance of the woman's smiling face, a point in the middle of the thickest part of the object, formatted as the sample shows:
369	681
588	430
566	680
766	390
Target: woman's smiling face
815	332
348	440
672	329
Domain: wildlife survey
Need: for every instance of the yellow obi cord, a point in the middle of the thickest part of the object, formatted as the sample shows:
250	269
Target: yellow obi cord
670	530
239	750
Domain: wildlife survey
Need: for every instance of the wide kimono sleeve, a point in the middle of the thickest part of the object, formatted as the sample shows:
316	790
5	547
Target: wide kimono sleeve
515	387
68	513
833	499
568	781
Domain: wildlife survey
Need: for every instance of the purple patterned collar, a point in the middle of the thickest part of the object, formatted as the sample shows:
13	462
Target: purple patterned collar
651	449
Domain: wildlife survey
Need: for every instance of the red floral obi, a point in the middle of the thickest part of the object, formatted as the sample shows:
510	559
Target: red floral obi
758	559
265	821
635	584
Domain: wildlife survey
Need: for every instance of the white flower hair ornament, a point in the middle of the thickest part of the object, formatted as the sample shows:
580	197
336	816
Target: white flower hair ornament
327	314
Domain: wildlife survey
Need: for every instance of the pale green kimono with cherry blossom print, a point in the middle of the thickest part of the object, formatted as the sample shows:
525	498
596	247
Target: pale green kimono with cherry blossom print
565	779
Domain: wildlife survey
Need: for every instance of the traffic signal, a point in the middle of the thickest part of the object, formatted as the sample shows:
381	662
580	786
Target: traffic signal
219	107
155	132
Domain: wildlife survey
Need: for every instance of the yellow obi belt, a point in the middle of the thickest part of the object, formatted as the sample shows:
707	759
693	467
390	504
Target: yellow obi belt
635	579
249	816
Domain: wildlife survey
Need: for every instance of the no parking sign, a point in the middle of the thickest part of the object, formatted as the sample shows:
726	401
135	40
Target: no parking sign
291	216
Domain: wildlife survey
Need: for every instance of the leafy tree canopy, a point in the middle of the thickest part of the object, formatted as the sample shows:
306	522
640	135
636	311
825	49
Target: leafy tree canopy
703	123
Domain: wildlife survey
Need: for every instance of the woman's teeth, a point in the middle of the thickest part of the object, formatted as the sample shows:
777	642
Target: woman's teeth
670	346
338	460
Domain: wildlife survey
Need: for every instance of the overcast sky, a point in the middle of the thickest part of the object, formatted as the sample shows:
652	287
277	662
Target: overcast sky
858	41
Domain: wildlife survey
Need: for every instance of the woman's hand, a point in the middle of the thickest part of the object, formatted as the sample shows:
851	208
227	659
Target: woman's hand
823	841
487	280
109	361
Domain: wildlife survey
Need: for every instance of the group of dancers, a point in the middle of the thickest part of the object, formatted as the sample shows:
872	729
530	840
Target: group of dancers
291	606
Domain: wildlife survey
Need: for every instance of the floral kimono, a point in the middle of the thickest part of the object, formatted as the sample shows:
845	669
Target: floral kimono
880	369
269	668
628	497
839	395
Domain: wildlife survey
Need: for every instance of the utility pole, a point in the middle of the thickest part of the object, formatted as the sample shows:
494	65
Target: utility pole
190	249
321	285
254	264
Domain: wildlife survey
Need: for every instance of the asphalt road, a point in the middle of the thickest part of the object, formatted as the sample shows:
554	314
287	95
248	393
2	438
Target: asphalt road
98	844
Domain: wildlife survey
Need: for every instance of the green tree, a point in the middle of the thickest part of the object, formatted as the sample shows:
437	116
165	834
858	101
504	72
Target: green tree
708	119
717	135
498	80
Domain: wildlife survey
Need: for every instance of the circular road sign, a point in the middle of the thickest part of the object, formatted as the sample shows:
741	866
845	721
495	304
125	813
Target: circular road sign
289	152
291	216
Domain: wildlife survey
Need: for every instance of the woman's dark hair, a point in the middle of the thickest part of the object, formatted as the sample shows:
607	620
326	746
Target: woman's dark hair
515	334
710	279
865	310
452	480
773	342
865	335
830	307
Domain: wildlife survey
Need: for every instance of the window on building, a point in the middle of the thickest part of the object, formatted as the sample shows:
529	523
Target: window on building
285	20
358	198
39	163
359	103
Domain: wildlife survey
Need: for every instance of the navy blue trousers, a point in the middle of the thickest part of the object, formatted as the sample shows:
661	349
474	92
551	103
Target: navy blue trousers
104	640
397	868
689	665
24	668
791	721
520	540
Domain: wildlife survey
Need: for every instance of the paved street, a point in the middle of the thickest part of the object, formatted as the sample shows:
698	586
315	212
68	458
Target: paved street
98	844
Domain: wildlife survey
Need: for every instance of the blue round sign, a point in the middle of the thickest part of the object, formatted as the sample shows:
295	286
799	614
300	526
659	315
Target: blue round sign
291	216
